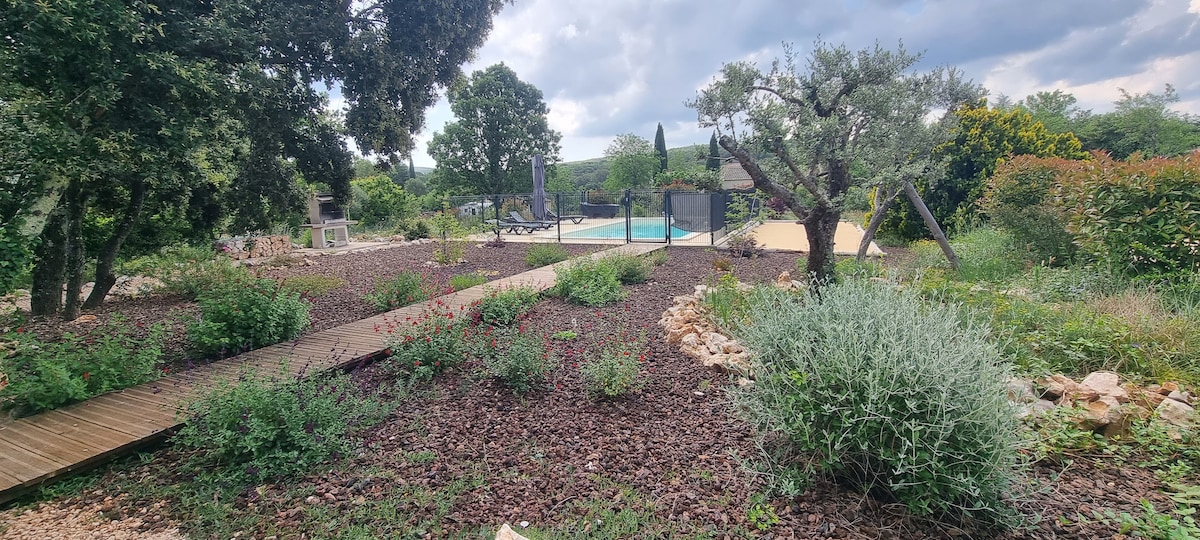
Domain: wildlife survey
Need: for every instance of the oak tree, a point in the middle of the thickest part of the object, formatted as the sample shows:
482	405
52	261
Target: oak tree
501	122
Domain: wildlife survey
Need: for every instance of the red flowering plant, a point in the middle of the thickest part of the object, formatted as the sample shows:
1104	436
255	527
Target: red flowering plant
617	369
46	375
423	346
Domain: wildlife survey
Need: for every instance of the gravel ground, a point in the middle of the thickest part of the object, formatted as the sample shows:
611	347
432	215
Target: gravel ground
673	451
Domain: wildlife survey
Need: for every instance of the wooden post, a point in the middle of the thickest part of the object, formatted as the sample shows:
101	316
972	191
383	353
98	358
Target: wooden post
932	224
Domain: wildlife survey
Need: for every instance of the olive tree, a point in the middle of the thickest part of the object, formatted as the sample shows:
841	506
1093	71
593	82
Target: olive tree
798	128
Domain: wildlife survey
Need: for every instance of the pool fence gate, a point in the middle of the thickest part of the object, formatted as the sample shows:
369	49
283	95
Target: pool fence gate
650	216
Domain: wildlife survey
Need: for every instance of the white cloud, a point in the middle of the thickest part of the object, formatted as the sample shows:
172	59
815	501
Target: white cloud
615	66
567	115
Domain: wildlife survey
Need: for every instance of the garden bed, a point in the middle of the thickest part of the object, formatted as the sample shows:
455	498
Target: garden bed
360	270
463	455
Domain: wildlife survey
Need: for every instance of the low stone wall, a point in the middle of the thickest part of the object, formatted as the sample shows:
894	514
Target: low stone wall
253	248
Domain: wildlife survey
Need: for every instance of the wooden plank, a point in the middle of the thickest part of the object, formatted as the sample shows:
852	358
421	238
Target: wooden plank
8	481
70	439
24	465
46	444
69	426
136	430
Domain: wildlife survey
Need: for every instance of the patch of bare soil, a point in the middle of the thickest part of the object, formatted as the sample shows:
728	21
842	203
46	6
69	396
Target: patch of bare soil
675	451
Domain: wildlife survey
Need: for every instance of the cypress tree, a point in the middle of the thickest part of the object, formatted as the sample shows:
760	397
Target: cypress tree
714	154
412	171
660	148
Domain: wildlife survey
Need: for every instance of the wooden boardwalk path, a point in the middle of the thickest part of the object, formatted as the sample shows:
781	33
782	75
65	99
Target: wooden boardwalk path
55	443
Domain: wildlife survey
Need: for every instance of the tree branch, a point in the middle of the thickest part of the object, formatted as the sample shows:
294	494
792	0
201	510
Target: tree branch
804	179
761	181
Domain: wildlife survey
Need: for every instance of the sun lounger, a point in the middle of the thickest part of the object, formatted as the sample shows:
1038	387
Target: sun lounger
575	218
512	227
518	218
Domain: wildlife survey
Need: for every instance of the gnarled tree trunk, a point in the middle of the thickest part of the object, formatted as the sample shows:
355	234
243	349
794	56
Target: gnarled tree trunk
107	258
76	205
820	228
49	266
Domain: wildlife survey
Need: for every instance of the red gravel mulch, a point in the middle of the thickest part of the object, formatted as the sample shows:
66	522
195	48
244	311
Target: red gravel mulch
676	452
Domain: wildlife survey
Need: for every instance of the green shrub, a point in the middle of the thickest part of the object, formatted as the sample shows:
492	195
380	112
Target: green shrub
539	255
1019	200
588	282
466	281
280	428
920	415
48	375
725	302
502	308
1138	215
407	287
313	285
246	314
657	258
1182	296
187	270
616	370
985	255
1111	332
377	199
520	359
435	341
14	268
415	229
630	268
448	232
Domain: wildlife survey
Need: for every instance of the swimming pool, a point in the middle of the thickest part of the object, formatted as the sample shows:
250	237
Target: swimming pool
639	228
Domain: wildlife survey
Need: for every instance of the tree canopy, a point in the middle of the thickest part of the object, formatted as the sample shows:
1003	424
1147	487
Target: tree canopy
632	163
814	116
660	148
1142	123
982	139
501	123
131	112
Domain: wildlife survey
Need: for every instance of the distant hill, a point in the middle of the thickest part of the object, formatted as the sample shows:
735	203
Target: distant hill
590	173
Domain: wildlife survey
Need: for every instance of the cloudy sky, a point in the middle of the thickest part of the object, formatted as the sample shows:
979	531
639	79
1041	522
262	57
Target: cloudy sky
608	67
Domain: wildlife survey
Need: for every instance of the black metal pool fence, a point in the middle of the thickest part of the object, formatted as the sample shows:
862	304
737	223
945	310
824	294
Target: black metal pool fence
648	216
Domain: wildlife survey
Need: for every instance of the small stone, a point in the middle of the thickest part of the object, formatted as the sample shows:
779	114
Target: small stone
1168	387
1052	389
1175	413
1181	397
1020	391
313	499
1106	383
1103	411
506	533
1149	399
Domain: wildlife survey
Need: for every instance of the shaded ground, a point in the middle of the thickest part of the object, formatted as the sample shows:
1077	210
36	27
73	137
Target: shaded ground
464	455
343	305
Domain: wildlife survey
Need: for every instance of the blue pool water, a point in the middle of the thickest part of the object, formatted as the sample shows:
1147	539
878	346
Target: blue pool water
640	228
